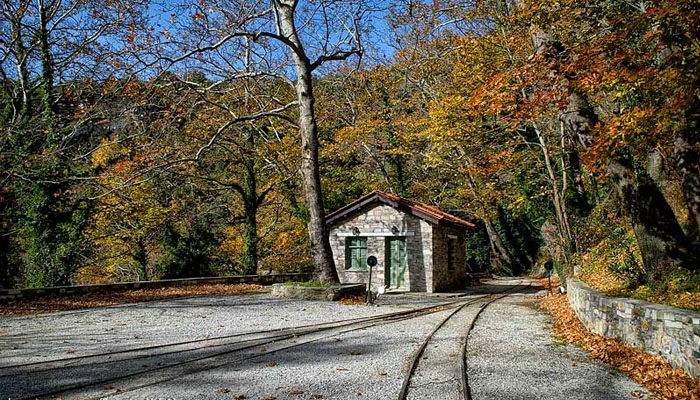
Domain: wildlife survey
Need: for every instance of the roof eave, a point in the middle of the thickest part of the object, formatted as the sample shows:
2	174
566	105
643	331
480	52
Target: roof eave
375	196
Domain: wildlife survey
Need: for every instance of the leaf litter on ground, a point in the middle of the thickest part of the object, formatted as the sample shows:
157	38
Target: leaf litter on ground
52	303
653	372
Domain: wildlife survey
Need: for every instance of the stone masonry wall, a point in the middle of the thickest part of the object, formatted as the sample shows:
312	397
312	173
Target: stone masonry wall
379	219
443	279
670	332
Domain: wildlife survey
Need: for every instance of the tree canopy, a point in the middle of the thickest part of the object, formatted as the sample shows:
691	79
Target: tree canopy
147	140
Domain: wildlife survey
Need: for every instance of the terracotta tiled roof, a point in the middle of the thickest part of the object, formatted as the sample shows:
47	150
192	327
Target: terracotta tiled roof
421	210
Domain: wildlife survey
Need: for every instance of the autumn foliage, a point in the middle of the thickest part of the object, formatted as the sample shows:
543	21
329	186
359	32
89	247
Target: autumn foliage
657	375
46	304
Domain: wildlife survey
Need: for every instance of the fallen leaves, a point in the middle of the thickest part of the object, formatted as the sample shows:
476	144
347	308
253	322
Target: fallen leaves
44	304
353	300
544	282
657	375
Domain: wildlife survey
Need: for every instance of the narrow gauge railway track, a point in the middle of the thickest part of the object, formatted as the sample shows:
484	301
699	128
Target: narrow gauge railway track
198	364
465	391
32	367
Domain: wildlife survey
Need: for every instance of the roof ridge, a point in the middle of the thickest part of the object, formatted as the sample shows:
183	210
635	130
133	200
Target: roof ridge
429	212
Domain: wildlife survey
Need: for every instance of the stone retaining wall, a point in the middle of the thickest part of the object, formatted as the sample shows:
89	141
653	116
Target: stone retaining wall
14	294
670	332
332	293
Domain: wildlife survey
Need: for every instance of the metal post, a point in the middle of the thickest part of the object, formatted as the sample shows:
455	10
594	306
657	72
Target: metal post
549	267
369	286
371	262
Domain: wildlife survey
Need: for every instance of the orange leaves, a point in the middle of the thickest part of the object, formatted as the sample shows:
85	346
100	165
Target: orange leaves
653	372
353	300
122	166
100	299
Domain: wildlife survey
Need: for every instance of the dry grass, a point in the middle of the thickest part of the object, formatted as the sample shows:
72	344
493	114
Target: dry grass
53	303
657	375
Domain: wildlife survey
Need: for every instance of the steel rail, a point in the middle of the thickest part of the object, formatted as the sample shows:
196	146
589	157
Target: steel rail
464	387
364	322
415	359
292	330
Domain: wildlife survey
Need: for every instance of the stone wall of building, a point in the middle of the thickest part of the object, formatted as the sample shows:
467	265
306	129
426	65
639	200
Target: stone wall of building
670	332
443	278
379	220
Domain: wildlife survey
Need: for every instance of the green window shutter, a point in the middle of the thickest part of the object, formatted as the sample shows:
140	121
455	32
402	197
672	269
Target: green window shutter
355	252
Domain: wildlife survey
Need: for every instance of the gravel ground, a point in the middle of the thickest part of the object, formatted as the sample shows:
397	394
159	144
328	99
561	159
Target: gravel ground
437	374
366	364
512	355
508	346
44	337
25	339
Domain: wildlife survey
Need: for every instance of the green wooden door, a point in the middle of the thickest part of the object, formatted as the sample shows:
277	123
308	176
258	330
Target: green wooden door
395	262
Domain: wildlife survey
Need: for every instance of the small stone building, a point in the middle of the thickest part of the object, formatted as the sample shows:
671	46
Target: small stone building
418	247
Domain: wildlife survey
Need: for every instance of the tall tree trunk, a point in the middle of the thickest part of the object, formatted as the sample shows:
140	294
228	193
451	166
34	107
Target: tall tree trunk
661	239
250	205
398	162
557	200
662	242
686	150
46	71
321	253
250	240
663	245
505	258
687	162
500	249
22	103
572	163
141	258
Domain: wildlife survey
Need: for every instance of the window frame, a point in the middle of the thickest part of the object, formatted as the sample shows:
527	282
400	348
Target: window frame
451	254
349	247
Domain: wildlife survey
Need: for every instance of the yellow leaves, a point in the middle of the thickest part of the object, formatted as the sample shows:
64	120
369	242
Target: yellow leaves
231	242
120	224
106	152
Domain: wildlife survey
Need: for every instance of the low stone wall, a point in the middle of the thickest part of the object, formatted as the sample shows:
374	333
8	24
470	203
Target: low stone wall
14	294
331	293
670	332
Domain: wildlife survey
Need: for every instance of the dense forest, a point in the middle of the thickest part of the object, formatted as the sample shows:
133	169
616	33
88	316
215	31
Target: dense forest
144	140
